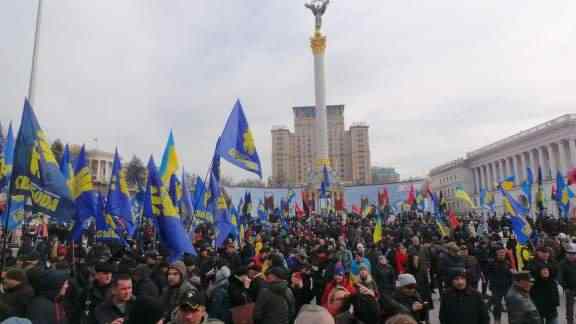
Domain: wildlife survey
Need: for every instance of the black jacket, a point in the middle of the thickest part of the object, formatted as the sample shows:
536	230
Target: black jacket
385	278
108	312
17	298
500	276
568	275
146	287
275	304
545	296
239	295
463	306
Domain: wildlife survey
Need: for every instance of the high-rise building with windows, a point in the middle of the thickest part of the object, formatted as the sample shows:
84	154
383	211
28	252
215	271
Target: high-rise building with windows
294	154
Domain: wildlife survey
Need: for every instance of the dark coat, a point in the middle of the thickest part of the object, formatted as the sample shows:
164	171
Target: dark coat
239	295
545	296
275	304
45	308
568	275
463	306
303	295
146	287
108	312
408	302
500	276
385	278
17	298
521	309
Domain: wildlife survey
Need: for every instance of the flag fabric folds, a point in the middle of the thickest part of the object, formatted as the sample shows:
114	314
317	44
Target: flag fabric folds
6	159
36	175
459	193
170	227
540	193
118	202
83	193
527	186
236	143
377	234
522	229
169	164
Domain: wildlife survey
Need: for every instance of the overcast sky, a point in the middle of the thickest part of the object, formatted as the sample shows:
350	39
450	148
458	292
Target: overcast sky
434	79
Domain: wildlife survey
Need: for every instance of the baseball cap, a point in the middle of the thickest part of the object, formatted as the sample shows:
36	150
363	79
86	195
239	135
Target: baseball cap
192	299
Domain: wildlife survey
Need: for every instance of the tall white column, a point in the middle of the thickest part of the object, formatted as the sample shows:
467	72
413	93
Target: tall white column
519	171
486	181
507	167
572	152
523	164
35	49
563	164
552	159
542	162
318	45
475	177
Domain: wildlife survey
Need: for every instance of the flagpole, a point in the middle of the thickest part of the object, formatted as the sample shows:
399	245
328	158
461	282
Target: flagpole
33	69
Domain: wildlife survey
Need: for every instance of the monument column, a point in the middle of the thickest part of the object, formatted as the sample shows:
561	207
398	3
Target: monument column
318	45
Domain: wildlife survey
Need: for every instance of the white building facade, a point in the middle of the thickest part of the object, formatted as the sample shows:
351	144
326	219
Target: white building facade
550	146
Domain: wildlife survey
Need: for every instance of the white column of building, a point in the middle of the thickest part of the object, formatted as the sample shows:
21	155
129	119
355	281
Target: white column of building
484	176
552	160
519	170
476	178
542	162
523	163
499	168
490	173
572	152
507	167
563	164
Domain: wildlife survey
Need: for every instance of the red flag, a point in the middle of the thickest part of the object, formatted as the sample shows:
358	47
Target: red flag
383	198
572	177
356	210
299	211
411	196
305	203
339	201
453	220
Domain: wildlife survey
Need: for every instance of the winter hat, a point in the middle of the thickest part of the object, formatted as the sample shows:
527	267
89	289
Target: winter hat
313	314
405	279
279	272
339	269
457	272
180	267
16	275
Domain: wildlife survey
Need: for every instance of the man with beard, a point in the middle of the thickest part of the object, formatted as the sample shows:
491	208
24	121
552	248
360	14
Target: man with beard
461	303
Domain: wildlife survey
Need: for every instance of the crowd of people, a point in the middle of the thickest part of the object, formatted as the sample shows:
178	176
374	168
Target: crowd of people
314	270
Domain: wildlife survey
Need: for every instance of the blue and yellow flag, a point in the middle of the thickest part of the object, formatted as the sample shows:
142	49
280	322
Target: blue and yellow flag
508	183
459	193
540	193
201	196
527	186
247	208
223	222
6	160
262	213
66	167
106	229
563	194
237	142
214	184
170	227
511	205
522	229
36	175
118	203
175	190
169	164
83	193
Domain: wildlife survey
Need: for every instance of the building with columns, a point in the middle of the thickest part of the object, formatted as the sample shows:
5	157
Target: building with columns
550	146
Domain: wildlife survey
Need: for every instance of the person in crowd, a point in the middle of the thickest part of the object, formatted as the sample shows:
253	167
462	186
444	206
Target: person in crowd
407	295
218	304
462	304
400	258
545	294
178	285
341	282
568	280
301	285
384	276
313	314
116	308
239	287
521	309
48	306
500	280
17	292
275	303
191	309
143	284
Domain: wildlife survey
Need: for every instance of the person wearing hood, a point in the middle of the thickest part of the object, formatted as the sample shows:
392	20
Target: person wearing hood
239	288
407	295
461	303
178	285
275	303
218	296
17	292
48	306
545	294
143	284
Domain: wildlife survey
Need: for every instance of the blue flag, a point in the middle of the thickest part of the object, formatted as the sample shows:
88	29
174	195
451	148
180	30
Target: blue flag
171	229
237	142
36	176
527	186
186	204
521	229
83	193
214	185
262	213
223	223
175	190
118	202
106	229
6	159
